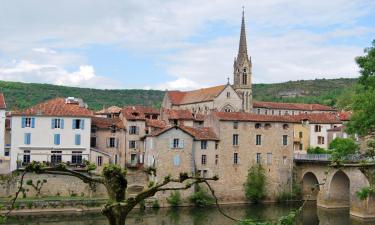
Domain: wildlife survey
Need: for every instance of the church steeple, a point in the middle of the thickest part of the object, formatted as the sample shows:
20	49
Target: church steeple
242	49
242	70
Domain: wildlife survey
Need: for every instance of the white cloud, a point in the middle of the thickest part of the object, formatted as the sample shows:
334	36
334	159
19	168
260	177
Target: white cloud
44	50
25	71
178	84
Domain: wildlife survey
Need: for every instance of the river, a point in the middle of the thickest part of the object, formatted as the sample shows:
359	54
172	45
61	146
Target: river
311	215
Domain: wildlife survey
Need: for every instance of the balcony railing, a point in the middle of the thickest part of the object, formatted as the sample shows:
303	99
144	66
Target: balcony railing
72	160
312	157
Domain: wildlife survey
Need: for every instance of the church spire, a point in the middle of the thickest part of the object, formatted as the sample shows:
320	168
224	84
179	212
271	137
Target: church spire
242	50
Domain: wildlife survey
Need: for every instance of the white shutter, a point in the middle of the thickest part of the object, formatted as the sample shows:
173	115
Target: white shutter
107	142
181	143
171	144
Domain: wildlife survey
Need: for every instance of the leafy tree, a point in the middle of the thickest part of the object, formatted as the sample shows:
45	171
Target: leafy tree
255	183
341	147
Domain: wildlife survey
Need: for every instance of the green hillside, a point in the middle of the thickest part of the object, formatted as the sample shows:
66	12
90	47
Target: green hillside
21	95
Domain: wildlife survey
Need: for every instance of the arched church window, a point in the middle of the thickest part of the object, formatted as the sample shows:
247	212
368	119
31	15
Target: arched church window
228	94
244	70
244	78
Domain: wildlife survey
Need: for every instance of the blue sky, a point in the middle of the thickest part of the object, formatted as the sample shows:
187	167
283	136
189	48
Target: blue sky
168	44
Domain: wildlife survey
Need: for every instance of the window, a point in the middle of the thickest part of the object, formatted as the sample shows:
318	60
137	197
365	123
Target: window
267	126
28	122
259	158
94	129
78	124
56	139
177	143
216	144
116	159
93	142
132	144
27	138
77	139
203	144
176	160
235	158
244	78
216	159
300	146
57	123
235	125
300	134
235	139
6	152
273	112
285	126
318	128
133	159
56	157
285	160
204	159
285	139
269	158
26	156
133	130
320	140
228	94
111	142
76	157
279	112
258	139
113	129
99	160
258	111
205	174
266	111
258	126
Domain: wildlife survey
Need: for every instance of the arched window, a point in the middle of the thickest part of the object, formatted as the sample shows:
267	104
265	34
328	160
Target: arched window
258	126
244	78
244	70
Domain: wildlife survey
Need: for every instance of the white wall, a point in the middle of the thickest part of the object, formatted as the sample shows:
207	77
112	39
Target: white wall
2	132
314	135
42	138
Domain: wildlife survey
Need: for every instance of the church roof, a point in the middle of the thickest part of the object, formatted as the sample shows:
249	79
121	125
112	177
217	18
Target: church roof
200	95
292	106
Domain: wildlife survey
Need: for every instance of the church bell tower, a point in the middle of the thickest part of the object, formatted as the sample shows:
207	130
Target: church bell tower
243	71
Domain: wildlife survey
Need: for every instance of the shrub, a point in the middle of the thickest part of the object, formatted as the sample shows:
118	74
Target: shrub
317	150
365	192
29	205
200	198
155	204
255	183
342	147
174	199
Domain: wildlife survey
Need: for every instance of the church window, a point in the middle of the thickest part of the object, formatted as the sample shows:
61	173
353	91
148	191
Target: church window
244	70
228	94
244	79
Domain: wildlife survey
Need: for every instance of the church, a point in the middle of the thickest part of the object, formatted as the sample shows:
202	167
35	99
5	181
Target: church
236	97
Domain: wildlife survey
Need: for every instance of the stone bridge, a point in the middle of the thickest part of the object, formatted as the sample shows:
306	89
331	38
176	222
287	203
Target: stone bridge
334	188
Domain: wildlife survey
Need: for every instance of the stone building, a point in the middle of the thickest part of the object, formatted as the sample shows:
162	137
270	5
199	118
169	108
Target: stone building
236	97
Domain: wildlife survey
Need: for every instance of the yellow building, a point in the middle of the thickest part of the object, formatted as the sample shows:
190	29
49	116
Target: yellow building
301	137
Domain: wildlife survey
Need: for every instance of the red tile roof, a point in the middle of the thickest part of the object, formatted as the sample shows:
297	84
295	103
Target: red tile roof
138	112
292	106
110	110
242	116
107	122
3	105
56	107
323	118
338	129
202	133
344	116
178	114
156	123
200	95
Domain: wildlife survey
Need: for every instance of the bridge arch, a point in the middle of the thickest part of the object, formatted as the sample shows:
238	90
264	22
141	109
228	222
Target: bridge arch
339	190
310	186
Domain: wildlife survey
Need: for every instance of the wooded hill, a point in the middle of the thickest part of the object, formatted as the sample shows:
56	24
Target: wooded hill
21	95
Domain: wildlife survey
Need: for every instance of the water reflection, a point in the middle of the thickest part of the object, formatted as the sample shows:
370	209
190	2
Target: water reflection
311	215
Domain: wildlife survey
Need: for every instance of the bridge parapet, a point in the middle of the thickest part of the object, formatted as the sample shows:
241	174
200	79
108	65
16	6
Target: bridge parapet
312	157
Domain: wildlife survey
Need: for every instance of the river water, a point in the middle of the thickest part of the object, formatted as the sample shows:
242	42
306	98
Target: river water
311	215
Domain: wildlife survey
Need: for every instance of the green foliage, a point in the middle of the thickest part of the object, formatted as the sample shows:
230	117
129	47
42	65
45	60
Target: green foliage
317	150
38	186
363	106
151	184
289	219
365	192
155	204
294	194
174	199
200	198
255	183
341	147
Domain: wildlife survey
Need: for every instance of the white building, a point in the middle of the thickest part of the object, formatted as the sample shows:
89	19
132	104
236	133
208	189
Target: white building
54	131
4	158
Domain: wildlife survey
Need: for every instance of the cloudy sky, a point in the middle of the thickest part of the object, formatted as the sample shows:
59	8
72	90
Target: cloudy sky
170	44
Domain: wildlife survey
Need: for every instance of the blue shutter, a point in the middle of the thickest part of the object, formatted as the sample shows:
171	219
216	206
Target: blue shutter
52	123
57	139
62	123
73	124
78	139
23	122
176	160
27	138
82	124
32	122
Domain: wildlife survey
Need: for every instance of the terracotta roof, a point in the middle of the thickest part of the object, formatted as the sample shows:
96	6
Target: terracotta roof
202	133
110	110
324	118
138	112
3	105
55	107
292	106
178	114
106	122
242	116
344	116
156	123
339	128
200	95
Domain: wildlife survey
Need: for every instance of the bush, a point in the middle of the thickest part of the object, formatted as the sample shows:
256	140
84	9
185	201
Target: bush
200	198
342	147
155	204
317	150
255	183
295	194
174	199
365	192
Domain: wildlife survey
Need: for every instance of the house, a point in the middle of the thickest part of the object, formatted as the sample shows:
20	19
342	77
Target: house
4	152
54	131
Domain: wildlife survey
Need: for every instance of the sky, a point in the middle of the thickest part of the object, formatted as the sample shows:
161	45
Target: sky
179	44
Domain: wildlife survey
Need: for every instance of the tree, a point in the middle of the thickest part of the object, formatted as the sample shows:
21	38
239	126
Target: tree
255	183
114	179
362	121
341	147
